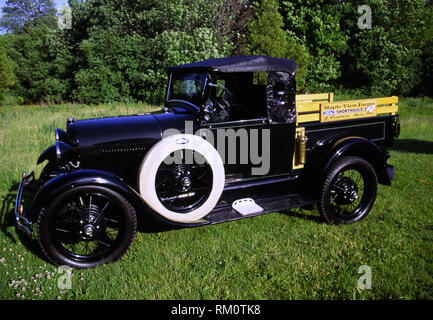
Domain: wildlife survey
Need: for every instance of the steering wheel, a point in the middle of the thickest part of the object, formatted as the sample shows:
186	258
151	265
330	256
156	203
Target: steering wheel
218	105
218	108
216	111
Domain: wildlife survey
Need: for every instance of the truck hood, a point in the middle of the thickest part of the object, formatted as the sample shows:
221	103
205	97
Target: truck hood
138	130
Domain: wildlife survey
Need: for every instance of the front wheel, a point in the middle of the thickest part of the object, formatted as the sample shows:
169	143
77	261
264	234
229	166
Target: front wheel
349	191
86	226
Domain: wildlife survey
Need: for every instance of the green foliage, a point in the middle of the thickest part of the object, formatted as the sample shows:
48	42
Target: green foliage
427	48
386	59
39	68
267	36
316	23
124	47
119	50
6	73
19	14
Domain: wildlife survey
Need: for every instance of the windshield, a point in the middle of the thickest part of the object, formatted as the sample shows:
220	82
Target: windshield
187	86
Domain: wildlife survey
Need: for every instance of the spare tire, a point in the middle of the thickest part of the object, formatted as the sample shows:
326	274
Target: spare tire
182	191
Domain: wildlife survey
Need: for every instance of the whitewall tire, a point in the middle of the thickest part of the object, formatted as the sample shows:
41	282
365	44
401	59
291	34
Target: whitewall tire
155	157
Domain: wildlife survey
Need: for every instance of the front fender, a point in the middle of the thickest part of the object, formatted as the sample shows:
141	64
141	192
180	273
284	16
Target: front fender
54	187
363	148
63	182
48	154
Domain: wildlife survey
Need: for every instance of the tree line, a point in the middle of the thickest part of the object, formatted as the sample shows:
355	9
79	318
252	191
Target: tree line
117	50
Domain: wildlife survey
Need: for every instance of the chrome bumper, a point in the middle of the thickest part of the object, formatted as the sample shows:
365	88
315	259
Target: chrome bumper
22	222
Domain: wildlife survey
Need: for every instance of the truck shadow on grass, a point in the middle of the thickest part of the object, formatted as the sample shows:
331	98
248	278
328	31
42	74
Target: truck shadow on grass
413	146
7	220
309	213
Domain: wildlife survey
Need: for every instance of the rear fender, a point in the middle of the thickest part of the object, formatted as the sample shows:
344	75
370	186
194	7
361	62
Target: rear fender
363	148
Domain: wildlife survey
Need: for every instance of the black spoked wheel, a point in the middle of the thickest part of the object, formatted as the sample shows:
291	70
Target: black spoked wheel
186	183
349	191
86	226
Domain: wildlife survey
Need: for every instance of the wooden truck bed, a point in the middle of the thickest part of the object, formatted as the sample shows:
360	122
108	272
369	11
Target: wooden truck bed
310	107
319	116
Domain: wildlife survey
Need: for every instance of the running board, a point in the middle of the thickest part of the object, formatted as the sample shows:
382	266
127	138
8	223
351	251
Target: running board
226	212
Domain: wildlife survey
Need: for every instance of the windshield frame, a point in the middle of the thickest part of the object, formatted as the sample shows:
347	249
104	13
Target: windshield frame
169	100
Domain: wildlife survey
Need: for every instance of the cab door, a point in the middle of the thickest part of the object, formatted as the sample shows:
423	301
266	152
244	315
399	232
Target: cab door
253	142
281	109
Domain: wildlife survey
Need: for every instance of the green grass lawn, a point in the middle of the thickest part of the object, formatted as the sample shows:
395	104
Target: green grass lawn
286	255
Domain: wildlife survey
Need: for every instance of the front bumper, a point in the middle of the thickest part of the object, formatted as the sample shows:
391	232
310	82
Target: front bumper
22	222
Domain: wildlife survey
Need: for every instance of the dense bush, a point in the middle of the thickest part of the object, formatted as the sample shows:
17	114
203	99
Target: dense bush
316	23
118	50
6	73
39	69
388	58
267	36
124	47
427	56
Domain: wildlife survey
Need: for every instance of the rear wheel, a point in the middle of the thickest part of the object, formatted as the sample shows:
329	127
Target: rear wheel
86	226
349	191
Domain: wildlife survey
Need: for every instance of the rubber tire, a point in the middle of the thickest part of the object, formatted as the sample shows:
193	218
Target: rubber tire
156	155
370	179
51	252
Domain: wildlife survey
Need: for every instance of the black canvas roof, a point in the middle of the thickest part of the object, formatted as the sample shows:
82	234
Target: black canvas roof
239	64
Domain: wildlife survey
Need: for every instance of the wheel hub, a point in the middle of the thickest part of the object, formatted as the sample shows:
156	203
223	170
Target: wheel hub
88	230
182	178
182	187
89	222
186	182
346	191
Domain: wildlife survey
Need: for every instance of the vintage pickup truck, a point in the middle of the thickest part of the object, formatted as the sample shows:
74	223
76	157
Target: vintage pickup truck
233	140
